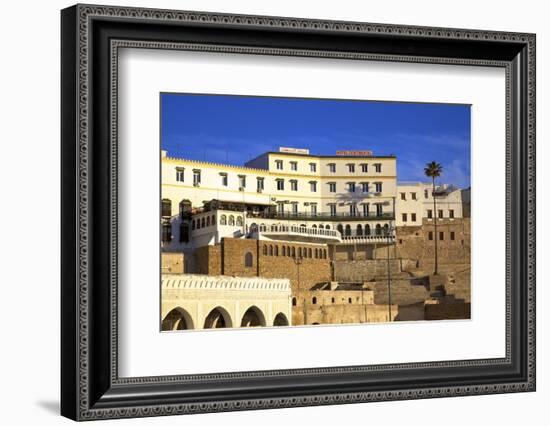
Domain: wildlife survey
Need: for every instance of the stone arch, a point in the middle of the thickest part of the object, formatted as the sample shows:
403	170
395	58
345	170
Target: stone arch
359	230
253	317
378	229
231	221
280	320
340	229
248	260
223	219
348	230
177	319
367	229
218	318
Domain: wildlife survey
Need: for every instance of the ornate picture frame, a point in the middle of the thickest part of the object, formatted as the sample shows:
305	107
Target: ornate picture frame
90	38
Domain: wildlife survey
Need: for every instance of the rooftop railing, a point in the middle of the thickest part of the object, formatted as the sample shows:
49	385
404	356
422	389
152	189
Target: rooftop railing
321	216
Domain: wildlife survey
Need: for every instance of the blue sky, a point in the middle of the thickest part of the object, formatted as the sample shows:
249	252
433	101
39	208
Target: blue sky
234	129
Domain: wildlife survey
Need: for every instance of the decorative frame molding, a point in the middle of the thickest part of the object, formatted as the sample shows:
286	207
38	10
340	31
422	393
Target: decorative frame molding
91	37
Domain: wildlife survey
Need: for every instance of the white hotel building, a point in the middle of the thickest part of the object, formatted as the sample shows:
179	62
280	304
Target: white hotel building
288	195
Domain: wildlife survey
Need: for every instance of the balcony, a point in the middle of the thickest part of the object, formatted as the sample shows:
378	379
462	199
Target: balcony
327	216
368	239
296	233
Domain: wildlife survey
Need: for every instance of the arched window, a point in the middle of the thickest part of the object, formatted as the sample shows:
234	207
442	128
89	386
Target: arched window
321	227
231	220
316	253
193	225
284	250
314	226
378	229
367	229
223	220
265	250
213	221
276	250
340	229
386	229
271	250
359	231
348	230
239	221
208	221
166	207
248	260
309	253
324	254
327	227
203	222
299	251
293	301
349	300
314	301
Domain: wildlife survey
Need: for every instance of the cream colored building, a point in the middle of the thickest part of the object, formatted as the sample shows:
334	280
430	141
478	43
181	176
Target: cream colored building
415	202
290	195
193	302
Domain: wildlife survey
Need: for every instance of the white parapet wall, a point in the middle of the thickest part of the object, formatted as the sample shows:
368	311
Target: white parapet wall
206	301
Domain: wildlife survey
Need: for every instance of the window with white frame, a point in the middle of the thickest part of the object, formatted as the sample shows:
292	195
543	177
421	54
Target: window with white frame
332	167
313	207
280	185
366	209
294	185
196	177
260	184
224	179
242	181
332	209
378	167
180	174
365	187
378	186
312	167
279	164
294	208
378	209
332	186
351	186
280	207
351	168
313	186
294	165
353	209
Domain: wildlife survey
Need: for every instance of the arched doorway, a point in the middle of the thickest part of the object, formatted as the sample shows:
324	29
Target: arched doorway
280	320
253	317
218	318
177	319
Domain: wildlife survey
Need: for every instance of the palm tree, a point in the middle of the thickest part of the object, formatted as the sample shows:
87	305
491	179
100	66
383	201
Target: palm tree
434	170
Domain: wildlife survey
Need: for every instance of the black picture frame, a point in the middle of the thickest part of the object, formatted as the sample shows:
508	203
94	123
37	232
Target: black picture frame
90	386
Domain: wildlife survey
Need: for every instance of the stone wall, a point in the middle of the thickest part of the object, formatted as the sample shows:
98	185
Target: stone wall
341	314
208	260
403	292
412	242
172	263
364	270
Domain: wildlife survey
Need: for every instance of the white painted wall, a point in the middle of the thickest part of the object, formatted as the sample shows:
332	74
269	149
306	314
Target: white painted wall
30	102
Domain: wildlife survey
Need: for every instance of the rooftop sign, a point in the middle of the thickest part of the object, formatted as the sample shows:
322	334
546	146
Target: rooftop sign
294	150
355	153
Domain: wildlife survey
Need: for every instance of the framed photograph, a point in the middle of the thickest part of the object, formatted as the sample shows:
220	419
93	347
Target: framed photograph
265	212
